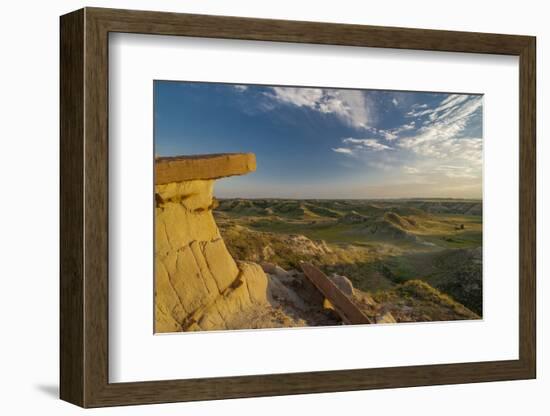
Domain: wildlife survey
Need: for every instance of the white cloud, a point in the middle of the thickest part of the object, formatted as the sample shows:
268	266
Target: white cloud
410	170
350	106
388	134
394	133
406	127
449	104
343	150
300	97
240	88
395	102
456	171
366	144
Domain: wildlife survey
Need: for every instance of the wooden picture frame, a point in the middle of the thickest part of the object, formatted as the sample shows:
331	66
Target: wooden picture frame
84	207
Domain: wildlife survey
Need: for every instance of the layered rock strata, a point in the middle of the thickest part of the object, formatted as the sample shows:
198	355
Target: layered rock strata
198	285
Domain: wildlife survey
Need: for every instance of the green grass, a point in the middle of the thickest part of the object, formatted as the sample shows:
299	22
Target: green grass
327	230
416	301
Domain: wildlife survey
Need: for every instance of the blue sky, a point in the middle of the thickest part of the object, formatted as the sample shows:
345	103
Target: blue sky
327	143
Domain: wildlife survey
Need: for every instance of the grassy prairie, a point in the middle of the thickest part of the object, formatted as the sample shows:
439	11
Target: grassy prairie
379	244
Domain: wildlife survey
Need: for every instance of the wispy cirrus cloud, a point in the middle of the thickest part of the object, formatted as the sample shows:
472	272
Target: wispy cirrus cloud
443	133
371	144
448	104
345	150
240	88
358	146
439	144
411	170
393	134
350	106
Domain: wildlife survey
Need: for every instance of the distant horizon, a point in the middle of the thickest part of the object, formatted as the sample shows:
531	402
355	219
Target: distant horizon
327	143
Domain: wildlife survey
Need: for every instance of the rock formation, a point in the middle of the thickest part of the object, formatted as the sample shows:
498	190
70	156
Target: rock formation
198	284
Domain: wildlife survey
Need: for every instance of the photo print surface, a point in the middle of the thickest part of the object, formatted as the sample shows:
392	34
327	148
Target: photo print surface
285	206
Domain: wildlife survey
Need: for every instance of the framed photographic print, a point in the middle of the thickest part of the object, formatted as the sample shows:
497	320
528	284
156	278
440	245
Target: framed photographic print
256	207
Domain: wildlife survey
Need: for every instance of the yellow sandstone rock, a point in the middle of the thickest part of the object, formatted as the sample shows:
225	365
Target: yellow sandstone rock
255	280
198	285
213	166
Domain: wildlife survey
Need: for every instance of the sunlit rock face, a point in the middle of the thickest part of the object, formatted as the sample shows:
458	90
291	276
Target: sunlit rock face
198	285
